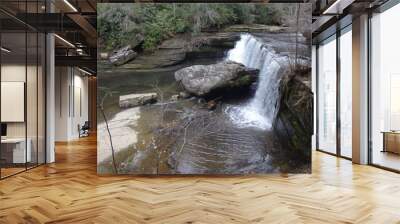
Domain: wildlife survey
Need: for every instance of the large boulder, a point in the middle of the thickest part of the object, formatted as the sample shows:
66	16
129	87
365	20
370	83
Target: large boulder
122	56
201	80
134	100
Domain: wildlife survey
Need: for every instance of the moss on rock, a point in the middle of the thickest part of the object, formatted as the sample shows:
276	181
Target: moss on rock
293	123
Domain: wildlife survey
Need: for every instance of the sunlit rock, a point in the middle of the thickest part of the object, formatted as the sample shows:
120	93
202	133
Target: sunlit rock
122	56
201	80
133	100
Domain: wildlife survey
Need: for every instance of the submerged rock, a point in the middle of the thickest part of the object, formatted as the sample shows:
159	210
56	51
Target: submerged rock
201	80
122	56
133	100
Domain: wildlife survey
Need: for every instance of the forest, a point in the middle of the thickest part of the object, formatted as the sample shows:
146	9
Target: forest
119	22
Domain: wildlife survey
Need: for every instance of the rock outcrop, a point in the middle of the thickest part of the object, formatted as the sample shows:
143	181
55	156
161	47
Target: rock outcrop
133	100
293	122
256	28
219	40
201	80
170	52
122	56
175	50
128	53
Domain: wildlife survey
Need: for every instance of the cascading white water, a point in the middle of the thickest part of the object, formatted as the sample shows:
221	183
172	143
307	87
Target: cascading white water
260	110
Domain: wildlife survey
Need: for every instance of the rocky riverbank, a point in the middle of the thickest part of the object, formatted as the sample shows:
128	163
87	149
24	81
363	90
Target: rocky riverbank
180	47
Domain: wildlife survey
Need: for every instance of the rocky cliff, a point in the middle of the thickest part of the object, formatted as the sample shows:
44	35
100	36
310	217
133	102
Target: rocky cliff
293	123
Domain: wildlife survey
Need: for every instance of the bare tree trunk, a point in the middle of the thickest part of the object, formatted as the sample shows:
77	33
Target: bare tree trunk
109	132
111	143
297	34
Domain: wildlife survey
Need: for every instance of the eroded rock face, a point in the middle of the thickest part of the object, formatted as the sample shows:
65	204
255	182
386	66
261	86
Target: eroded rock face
177	49
256	28
133	100
219	40
201	80
122	56
293	123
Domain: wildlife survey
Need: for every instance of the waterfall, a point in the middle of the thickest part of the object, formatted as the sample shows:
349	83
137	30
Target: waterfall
259	111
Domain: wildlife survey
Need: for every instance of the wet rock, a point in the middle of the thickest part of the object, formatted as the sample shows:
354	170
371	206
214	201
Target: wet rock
201	101
133	100
293	123
211	105
170	52
122	56
201	80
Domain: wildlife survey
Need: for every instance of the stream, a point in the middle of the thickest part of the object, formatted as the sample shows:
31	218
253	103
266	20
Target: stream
184	137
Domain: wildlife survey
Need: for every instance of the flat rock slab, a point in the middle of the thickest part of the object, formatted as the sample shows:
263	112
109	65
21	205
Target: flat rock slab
134	100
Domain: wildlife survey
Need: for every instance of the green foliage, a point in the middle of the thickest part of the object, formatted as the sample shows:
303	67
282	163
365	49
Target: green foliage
267	15
116	25
162	24
119	23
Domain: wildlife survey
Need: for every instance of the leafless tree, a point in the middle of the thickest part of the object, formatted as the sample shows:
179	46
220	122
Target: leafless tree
297	33
108	93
